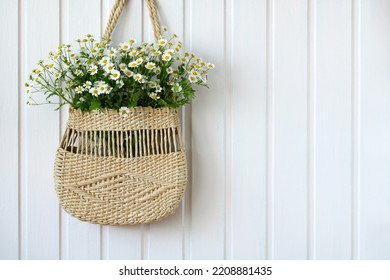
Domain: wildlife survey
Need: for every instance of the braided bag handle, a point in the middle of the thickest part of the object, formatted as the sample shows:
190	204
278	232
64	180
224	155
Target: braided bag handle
117	10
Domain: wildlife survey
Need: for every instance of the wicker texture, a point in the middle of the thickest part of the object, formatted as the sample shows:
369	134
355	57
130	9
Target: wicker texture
119	171
117	10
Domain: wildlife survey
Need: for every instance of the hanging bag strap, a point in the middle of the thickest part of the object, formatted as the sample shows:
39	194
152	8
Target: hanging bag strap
117	10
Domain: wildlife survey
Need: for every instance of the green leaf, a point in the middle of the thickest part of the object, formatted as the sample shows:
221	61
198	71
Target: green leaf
95	104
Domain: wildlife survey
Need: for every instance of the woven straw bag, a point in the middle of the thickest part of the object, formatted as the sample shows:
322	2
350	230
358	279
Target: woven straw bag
121	171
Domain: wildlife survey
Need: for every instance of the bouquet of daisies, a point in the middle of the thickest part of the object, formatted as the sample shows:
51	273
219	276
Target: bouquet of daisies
99	75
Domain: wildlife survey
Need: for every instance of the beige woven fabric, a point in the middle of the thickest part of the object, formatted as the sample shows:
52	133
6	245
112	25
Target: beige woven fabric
119	171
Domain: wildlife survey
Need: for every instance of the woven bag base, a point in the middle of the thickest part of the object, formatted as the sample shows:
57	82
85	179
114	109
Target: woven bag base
134	191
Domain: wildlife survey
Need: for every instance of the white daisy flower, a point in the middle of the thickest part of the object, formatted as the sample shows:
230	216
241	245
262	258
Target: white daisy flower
125	46
162	42
210	65
157	70
183	59
128	73
154	95
93	69
101	86
78	72
111	52
169	70
150	65
97	83
79	89
156	53
87	85
142	51
104	61
108	89
124	112
140	60
120	83
158	88
133	53
169	51
132	41
137	77
115	75
123	66
94	51
194	73
94	91
133	64
193	79
177	88
166	57
152	84
109	68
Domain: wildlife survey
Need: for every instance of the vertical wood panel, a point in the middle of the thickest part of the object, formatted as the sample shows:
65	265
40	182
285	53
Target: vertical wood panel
290	96
124	242
333	129
375	133
82	240
312	132
166	237
9	128
248	108
270	119
40	210
186	118
356	127
208	172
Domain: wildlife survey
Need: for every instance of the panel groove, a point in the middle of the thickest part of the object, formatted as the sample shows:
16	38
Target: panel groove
20	87
104	230
187	134
229	130
311	178
22	135
64	219
356	26
145	228
183	125
270	130
60	126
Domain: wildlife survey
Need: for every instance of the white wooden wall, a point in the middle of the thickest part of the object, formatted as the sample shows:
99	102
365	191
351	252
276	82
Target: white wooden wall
289	150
